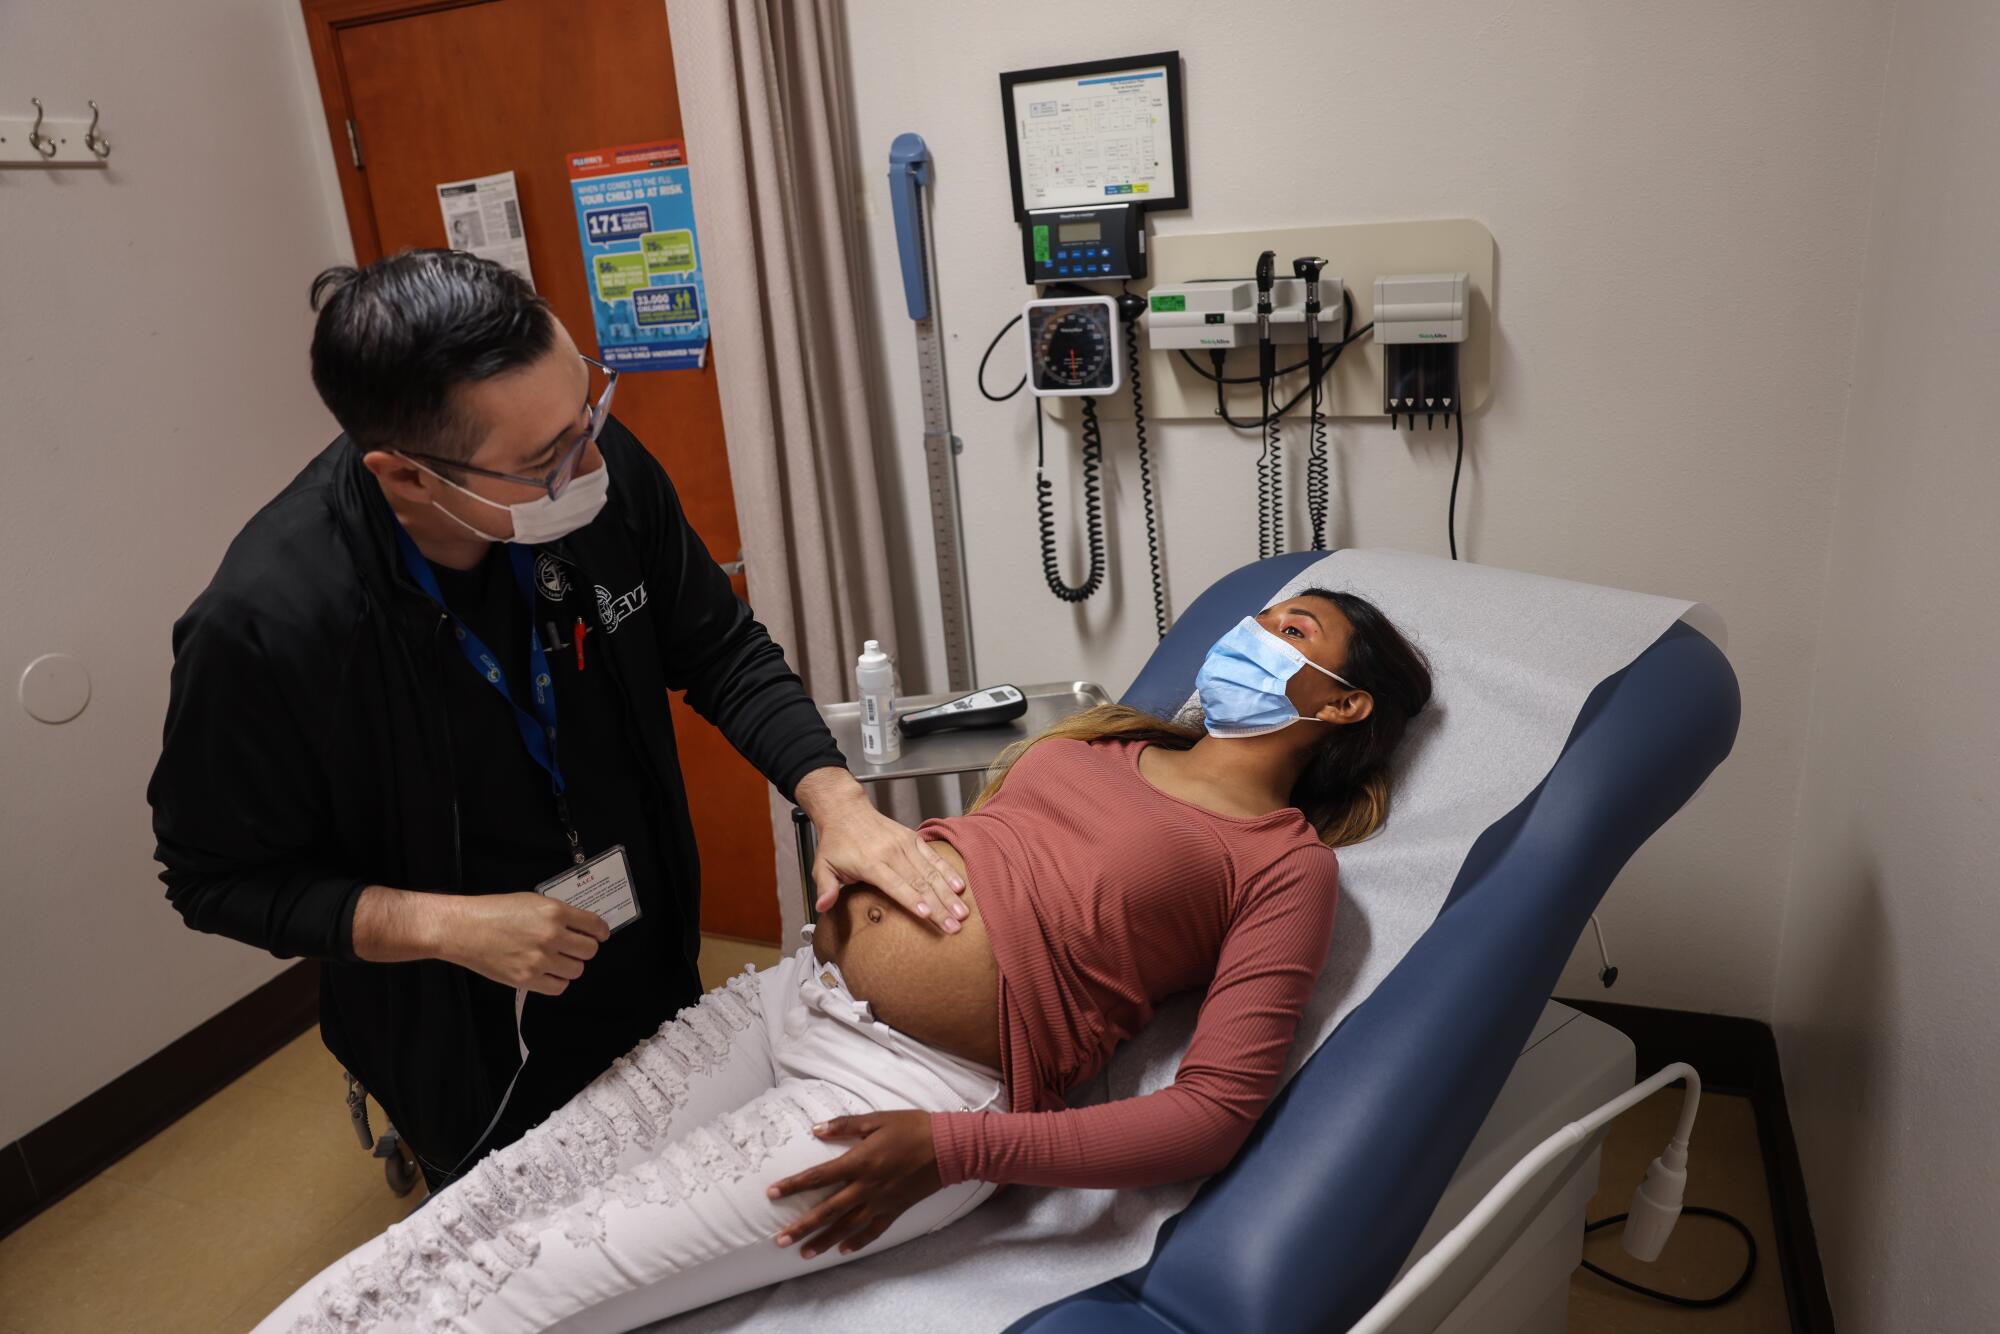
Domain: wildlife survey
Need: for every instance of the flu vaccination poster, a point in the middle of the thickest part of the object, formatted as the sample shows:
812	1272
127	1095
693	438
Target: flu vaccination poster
635	216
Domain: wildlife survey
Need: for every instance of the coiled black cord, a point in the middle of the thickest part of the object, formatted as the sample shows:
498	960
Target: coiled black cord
1270	486
1146	478
1316	480
1735	1289
1318	487
1316	471
1093	508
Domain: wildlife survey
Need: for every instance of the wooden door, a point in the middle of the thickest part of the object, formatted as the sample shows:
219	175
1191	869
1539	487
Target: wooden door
451	90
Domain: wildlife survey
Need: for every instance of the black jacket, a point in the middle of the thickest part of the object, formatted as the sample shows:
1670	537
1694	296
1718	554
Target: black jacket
306	755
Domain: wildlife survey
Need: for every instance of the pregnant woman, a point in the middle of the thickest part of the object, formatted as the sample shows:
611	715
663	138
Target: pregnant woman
887	1079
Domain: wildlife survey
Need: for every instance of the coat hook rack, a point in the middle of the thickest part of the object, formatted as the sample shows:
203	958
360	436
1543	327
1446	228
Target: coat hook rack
41	143
94	141
45	140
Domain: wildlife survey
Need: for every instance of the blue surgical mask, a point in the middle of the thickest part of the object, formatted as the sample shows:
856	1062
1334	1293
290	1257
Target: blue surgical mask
1242	682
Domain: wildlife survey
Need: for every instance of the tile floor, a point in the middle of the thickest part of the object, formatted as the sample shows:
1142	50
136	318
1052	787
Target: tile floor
213	1222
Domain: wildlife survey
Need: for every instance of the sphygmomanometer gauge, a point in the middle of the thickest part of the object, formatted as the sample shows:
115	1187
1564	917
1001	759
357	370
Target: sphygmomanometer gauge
1073	346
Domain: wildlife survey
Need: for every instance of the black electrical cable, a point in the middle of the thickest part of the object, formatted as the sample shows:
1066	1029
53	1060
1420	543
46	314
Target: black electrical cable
1271	462
1270	486
1317	478
1282	370
1237	379
1316	475
981	377
1451	515
1221	409
1734	1290
1146	479
1093	508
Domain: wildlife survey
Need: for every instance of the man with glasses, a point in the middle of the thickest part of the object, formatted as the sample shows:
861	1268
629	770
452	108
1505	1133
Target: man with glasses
429	682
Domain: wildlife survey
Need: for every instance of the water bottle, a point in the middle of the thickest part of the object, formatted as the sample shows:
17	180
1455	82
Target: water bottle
875	674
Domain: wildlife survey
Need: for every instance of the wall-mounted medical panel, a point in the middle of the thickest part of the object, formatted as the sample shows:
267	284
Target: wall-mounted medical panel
1358	254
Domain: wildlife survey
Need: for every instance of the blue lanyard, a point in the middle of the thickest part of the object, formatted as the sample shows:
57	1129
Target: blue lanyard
538	731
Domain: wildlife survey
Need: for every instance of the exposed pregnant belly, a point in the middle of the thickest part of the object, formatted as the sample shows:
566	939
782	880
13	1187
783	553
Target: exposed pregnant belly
943	990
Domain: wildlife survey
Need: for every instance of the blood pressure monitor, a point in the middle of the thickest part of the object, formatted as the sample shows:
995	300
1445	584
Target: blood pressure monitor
1072	346
1085	244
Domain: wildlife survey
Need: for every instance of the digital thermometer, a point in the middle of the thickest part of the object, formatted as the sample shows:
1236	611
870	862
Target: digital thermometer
982	708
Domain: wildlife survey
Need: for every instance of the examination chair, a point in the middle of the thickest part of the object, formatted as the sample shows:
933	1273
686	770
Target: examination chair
1456	1065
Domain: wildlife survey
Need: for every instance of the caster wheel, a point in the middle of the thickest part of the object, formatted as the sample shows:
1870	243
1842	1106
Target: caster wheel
400	1170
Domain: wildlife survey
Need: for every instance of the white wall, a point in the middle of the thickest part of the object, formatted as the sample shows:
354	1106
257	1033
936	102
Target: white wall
1679	195
1887	985
153	393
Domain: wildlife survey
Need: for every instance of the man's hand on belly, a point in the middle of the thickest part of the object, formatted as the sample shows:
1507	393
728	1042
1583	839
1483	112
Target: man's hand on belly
893	1167
857	843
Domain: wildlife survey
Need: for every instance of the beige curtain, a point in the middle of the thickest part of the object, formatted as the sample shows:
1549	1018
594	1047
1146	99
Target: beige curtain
764	114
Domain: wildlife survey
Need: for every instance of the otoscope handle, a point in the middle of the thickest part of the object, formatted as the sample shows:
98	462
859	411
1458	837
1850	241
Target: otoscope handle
1267	356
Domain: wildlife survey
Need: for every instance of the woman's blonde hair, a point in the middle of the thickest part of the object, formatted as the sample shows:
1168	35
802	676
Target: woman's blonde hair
1344	790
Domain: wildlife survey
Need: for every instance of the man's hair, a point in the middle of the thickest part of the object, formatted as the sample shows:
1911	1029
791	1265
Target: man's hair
396	339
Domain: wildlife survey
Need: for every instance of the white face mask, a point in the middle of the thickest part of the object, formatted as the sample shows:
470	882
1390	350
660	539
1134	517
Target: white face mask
545	518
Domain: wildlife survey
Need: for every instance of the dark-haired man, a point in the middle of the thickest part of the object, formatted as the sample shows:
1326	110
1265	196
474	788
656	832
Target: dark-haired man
364	760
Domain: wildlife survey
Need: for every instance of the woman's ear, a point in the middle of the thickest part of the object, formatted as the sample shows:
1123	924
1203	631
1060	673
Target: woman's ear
1349	706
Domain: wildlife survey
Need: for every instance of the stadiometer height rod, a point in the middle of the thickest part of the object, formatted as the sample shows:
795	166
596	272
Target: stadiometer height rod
909	176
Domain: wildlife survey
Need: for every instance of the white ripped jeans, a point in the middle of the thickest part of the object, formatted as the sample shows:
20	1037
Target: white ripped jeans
643	1196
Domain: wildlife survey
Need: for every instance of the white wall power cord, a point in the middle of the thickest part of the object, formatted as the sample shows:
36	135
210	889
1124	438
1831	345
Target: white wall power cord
1656	1204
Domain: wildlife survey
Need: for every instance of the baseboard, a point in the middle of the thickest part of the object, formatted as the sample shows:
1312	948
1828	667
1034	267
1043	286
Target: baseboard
71	1147
1738	1055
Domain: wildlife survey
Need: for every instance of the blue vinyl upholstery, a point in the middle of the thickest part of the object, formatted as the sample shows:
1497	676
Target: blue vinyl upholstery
1308	1226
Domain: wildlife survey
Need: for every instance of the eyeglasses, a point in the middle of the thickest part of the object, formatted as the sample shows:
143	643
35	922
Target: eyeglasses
564	472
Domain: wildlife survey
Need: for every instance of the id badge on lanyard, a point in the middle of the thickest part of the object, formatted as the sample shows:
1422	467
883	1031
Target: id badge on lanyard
538	734
537	728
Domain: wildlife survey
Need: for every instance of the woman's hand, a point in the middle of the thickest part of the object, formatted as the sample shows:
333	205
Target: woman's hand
860	845
893	1167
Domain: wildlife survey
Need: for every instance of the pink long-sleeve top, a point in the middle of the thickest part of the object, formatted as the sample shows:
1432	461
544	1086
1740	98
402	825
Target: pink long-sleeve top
1102	896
